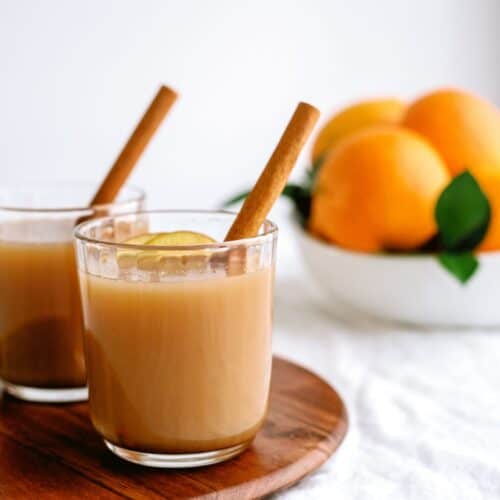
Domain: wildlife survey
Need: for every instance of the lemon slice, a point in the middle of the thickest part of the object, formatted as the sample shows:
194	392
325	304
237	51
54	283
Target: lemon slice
179	238
127	258
165	259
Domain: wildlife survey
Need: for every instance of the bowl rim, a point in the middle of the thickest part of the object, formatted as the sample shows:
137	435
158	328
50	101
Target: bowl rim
492	255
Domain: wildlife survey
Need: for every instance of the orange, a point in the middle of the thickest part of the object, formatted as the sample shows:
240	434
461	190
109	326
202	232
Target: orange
377	190
490	184
354	118
465	130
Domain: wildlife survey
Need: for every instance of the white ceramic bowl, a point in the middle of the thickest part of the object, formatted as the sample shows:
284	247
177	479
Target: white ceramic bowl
408	288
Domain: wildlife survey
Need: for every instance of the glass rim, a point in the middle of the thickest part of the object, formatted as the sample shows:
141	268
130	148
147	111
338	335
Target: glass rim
137	195
270	234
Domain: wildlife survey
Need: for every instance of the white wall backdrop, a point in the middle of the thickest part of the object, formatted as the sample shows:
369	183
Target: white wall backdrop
75	77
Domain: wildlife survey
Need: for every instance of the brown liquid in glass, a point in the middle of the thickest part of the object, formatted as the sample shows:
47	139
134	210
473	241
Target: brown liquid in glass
40	316
178	367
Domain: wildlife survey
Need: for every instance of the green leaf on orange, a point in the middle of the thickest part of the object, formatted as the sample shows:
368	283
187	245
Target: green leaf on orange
463	215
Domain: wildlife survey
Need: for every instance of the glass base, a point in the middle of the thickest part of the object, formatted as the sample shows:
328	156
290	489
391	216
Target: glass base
179	460
47	395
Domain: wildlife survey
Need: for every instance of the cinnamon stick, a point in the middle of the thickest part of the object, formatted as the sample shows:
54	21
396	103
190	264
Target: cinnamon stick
135	146
275	174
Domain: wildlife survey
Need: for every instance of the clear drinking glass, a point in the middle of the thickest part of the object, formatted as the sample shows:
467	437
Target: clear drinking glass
41	341
177	338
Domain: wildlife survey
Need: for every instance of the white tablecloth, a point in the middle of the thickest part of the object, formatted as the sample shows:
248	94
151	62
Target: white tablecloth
424	405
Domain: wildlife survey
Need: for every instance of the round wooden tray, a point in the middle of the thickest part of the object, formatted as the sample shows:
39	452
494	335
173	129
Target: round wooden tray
52	450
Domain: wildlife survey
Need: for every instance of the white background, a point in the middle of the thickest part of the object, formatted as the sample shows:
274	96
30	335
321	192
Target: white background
75	77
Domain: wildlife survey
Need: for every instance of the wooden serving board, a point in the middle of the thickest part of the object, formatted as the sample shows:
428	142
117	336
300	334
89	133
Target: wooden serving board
51	451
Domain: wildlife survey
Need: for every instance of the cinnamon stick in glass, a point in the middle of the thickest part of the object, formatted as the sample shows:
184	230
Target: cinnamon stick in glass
135	146
274	177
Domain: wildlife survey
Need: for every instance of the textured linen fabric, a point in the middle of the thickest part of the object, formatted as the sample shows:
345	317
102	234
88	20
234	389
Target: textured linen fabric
423	404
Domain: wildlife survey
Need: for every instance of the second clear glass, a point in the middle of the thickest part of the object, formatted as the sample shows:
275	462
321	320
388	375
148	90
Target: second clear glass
41	346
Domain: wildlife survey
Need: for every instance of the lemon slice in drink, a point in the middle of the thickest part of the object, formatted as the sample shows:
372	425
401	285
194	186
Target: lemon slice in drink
127	258
174	238
179	238
166	259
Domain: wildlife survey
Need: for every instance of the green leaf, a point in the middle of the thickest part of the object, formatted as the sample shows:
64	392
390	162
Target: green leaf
462	214
462	264
301	198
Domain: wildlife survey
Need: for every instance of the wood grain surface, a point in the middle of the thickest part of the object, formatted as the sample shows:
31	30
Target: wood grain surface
52	451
